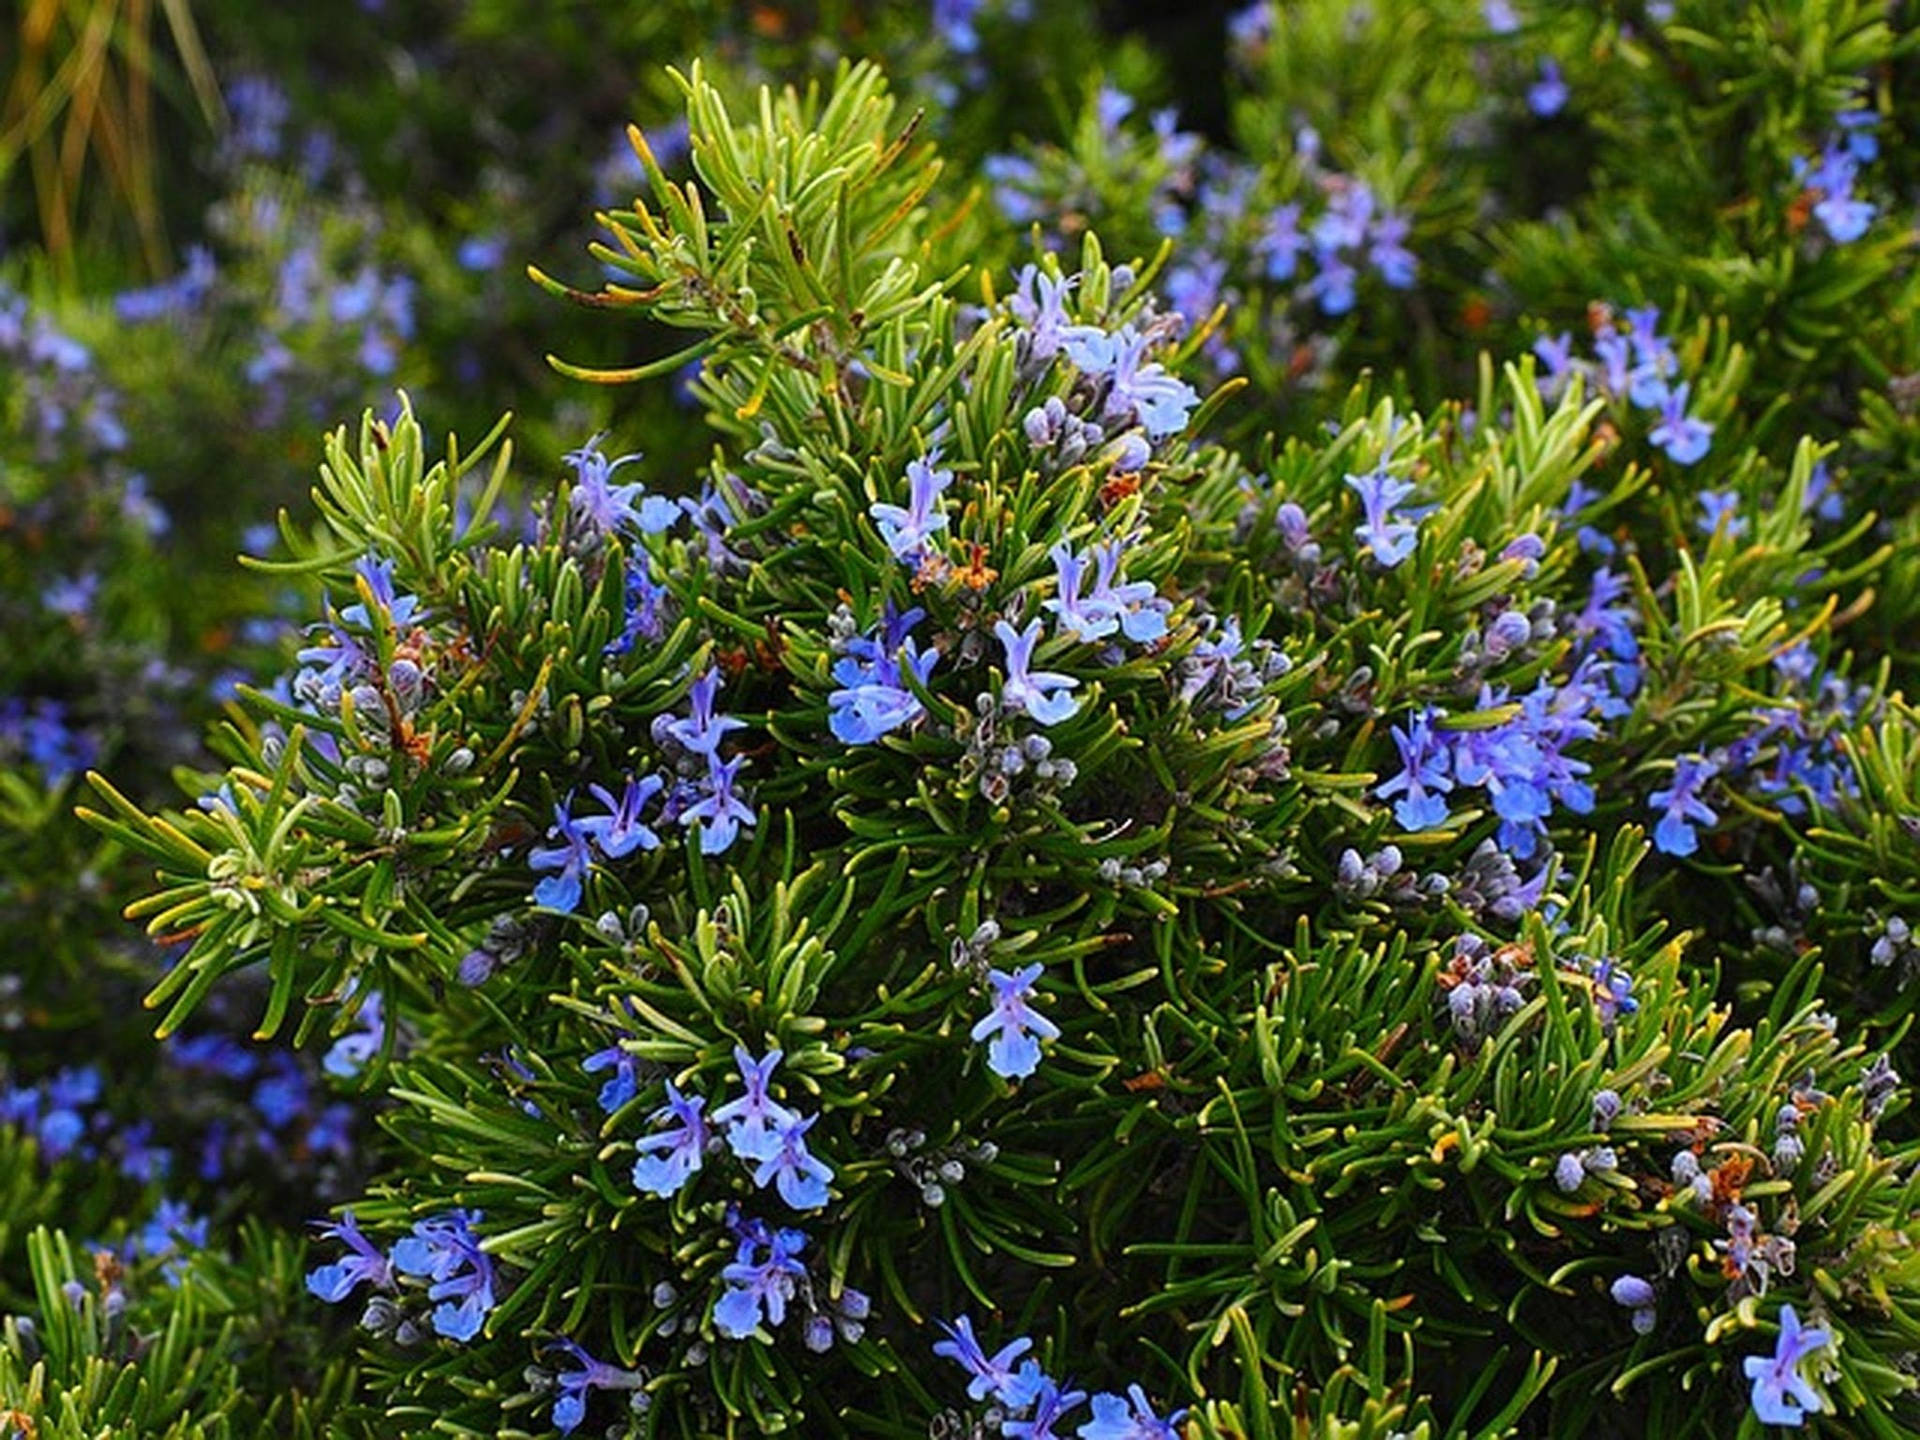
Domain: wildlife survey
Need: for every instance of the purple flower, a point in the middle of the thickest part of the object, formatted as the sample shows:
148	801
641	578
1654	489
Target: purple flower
1683	438
363	1265
1084	621
1653	357
71	599
604	507
873	697
1568	1173
1388	254
909	532
445	1251
1547	96
759	1288
1139	390
1843	217
669	1158
1050	1406
1615	367
1387	538
1129	1417
800	1176
1281	242
1781	1395
1423	779
1333	283
1555	354
572	858
703	730
1041	695
721	813
1131	603
1720	508
1039	304
992	1375
172	1231
570	1408
620	832
643	601
623	1084
754	1119
1607	622
1014	1052
1682	807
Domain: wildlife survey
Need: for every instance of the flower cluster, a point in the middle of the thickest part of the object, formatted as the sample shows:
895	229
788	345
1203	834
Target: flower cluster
874	694
1635	365
758	1129
1521	763
1827	182
1037	1403
442	1256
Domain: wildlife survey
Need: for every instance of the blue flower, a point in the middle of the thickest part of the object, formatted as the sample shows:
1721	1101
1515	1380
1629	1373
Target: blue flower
1038	302
623	1084
1683	438
373	578
1281	241
620	832
668	1159
1141	616
1547	96
1388	254
1139	390
1050	1406
1721	508
572	858
445	1251
167	1236
1041	695
721	813
991	1375
759	1288
1333	283
873	697
1682	806
1129	1417
1615	362
643	601
1387	537
1014	1052
800	1176
1555	354
703	730
1423	780
1074	614
364	1265
280	1097
570	1408
1781	1394
604	507
753	1119
909	532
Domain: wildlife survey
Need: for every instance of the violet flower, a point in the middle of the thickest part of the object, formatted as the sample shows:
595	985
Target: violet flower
1013	1052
